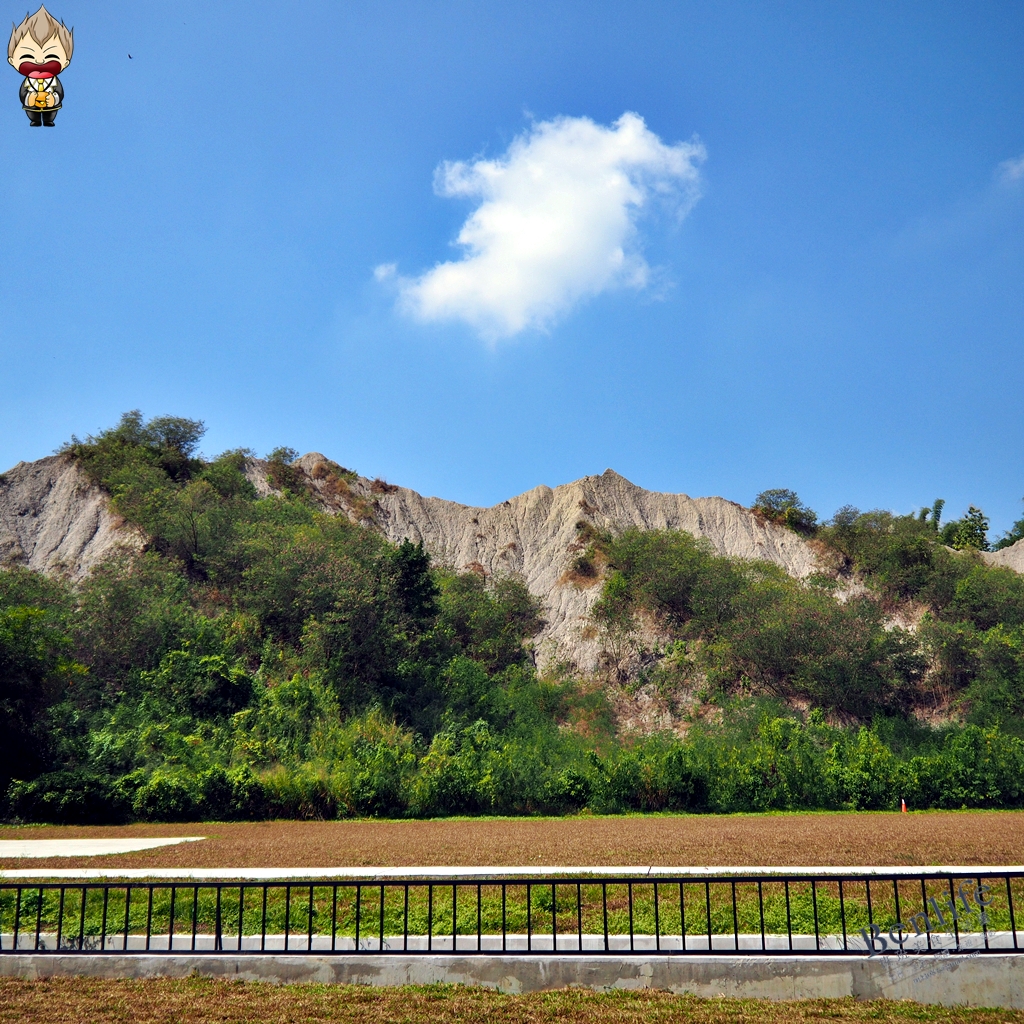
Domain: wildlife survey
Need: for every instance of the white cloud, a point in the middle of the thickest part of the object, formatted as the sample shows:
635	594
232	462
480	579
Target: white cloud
557	222
1011	170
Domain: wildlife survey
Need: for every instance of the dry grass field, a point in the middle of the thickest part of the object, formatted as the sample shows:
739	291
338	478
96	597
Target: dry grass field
934	837
199	1001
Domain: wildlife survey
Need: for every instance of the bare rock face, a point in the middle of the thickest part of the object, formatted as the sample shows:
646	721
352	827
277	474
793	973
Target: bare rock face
55	520
535	535
1011	557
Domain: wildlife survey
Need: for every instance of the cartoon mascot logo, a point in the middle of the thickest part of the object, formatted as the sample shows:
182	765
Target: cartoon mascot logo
40	49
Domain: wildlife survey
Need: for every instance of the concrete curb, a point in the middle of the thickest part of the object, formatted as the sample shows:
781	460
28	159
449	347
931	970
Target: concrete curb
993	980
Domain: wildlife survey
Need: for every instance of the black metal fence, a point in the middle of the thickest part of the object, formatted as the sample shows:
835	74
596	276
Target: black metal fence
754	914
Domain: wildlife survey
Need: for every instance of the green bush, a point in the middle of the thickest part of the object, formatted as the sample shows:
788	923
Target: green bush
69	798
785	508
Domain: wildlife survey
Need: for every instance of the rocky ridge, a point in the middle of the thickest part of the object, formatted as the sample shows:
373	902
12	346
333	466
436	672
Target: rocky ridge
54	520
1011	557
535	535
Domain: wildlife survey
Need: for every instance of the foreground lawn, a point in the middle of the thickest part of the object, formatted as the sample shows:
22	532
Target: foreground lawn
196	1000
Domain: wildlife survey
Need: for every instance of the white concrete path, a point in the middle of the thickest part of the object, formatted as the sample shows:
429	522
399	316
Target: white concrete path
39	848
472	873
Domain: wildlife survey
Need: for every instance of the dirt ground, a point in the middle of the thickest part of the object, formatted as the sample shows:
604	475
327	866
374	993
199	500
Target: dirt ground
935	837
198	1001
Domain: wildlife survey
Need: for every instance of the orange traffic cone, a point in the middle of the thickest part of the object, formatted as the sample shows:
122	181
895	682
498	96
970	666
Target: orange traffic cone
903	806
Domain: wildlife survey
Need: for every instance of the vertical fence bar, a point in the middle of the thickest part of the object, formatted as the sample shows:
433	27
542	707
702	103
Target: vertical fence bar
629	897
149	918
735	917
814	911
103	919
842	912
789	917
956	919
405	919
1013	922
170	927
924	907
309	927
218	943
195	914
380	940
39	919
17	922
241	914
554	918
479	918
604	905
287	914
682	917
657	920
334	918
430	915
60	918
899	916
263	922
529	916
455	923
579	913
503	921
81	920
707	908
871	919
127	915
984	913
760	911
359	900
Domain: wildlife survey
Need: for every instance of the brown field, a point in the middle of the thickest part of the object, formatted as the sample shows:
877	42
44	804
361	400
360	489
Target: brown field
198	1001
934	837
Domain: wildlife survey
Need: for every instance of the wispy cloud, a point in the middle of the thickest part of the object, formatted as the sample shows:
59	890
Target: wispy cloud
556	223
1011	170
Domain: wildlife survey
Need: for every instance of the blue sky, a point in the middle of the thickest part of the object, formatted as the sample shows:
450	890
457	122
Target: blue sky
841	311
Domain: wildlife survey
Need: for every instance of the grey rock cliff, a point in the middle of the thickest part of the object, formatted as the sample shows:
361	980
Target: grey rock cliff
1011	557
53	519
534	534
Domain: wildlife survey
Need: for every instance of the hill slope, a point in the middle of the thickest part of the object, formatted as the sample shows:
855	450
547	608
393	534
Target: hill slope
54	520
535	534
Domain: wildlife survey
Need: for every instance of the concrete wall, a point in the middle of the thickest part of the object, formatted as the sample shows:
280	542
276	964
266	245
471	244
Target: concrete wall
990	980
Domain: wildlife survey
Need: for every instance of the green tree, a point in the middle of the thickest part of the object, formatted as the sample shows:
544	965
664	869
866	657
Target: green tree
970	532
34	674
784	507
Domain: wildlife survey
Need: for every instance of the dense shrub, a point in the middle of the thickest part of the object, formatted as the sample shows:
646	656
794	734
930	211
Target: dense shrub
70	798
784	507
262	658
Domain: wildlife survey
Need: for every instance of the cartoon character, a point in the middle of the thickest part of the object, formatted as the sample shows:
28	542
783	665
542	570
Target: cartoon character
40	48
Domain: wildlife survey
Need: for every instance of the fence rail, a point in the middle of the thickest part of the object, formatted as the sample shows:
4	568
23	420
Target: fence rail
767	914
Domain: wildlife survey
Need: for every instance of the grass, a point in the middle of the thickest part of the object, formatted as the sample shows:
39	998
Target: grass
931	837
202	1001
